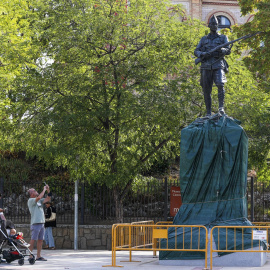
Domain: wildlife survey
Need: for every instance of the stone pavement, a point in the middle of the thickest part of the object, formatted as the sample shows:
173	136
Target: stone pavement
94	260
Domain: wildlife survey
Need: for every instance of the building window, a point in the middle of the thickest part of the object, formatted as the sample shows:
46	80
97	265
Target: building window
223	22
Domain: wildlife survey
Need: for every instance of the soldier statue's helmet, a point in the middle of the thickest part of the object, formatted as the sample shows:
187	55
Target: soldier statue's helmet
213	20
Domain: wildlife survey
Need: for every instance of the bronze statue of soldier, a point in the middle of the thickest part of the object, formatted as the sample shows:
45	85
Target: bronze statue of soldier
213	65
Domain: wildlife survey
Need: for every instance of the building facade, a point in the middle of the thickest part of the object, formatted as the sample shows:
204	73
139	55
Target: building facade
227	11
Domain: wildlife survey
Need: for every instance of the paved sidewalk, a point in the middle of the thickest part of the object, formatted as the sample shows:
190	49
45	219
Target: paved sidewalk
92	259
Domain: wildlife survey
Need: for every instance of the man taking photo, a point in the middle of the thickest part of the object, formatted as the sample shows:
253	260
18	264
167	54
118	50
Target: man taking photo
35	205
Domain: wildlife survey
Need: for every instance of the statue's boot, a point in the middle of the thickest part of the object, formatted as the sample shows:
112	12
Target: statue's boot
208	104
221	96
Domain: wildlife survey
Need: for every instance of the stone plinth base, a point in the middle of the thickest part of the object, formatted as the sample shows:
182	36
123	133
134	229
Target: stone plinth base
237	259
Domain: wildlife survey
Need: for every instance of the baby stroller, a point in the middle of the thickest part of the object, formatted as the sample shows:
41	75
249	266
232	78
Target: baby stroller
18	249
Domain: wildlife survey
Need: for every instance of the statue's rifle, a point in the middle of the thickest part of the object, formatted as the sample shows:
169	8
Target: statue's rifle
199	59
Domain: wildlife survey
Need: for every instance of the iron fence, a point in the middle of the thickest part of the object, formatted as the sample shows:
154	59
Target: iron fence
258	201
97	206
96	203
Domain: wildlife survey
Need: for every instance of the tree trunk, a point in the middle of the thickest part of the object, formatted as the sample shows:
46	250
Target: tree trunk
119	209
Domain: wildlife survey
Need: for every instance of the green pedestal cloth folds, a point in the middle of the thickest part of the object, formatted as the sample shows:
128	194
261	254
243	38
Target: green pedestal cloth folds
213	180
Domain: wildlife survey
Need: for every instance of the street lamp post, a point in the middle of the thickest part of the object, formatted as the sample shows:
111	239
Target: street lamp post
76	216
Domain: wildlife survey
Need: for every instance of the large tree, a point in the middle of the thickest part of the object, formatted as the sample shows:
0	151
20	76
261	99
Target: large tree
95	85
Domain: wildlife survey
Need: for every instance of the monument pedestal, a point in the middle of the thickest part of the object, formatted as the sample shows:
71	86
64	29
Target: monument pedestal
237	259
213	181
246	259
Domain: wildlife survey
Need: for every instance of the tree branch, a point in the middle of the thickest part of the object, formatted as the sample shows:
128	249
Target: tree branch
161	144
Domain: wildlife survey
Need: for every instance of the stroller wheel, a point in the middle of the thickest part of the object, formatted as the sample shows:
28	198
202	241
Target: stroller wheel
32	260
21	261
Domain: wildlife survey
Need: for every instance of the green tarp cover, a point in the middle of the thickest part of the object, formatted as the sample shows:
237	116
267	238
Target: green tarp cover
213	180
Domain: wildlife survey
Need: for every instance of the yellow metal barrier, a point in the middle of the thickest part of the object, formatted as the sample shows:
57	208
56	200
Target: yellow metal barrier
139	234
261	223
236	229
141	237
147	222
156	240
113	245
164	223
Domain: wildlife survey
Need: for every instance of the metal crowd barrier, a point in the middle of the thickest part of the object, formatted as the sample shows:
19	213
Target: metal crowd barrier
139	233
146	236
164	223
238	230
143	236
156	240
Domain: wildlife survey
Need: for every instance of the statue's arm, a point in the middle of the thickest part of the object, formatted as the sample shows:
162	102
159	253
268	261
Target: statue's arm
227	49
198	51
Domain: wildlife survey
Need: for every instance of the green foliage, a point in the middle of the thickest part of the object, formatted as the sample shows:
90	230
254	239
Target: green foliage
140	184
15	170
257	61
258	58
98	86
19	173
248	6
249	103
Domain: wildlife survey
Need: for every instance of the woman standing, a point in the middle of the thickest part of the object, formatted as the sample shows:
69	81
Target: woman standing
50	222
